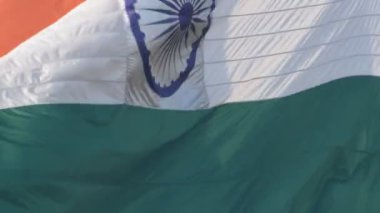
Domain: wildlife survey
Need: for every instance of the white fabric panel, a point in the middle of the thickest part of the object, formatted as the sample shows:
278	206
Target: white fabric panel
289	46
254	50
79	59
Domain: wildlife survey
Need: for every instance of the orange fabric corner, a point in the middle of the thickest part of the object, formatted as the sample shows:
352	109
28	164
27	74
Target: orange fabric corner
21	19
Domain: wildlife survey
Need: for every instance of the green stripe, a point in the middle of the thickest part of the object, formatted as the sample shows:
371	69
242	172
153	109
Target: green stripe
317	152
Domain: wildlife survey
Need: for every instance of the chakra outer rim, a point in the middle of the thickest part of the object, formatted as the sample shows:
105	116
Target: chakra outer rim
139	36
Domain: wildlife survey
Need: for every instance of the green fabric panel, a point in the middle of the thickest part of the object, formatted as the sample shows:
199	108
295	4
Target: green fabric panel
317	152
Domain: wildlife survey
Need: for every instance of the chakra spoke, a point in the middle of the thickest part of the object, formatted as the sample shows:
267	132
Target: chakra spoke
179	2
186	40
174	48
180	43
198	20
193	29
171	28
200	11
183	2
168	39
165	21
199	5
168	51
195	2
163	48
171	5
167	12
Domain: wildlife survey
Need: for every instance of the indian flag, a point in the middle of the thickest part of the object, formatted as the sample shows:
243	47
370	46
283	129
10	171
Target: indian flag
190	106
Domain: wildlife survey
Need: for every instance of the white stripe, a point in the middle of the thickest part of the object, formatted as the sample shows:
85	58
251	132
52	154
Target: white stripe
80	59
255	50
274	54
